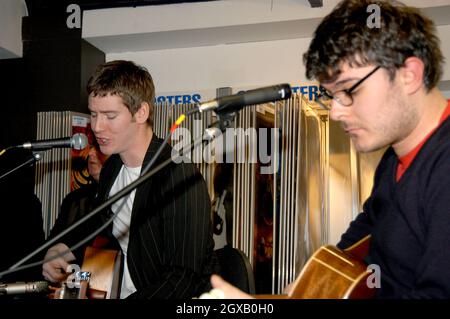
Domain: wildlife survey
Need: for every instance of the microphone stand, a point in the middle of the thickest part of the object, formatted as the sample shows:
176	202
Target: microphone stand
36	156
225	120
211	132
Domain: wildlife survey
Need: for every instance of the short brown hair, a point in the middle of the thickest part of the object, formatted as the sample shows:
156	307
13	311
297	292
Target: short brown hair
344	36
133	83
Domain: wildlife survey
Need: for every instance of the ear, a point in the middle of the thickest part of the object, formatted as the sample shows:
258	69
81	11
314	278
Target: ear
142	113
412	74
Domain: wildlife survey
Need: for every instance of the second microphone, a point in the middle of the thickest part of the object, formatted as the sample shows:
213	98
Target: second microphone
233	103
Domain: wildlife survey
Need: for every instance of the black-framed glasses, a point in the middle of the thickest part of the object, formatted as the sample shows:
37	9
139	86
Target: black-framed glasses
343	97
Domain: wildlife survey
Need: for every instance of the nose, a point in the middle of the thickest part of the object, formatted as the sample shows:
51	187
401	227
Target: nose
337	110
96	124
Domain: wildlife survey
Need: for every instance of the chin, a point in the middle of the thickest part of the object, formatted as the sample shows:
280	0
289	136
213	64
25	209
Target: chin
367	147
363	147
364	150
106	151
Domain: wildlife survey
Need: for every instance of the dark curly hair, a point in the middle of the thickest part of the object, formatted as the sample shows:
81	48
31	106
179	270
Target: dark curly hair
345	36
133	83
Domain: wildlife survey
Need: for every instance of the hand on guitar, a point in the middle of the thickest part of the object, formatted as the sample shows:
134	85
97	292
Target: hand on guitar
55	270
288	289
229	291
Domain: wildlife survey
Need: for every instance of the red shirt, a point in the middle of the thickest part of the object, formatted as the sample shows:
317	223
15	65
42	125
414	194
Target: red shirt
406	160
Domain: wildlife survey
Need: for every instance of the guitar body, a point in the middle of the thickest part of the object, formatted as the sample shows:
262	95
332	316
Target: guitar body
332	273
104	267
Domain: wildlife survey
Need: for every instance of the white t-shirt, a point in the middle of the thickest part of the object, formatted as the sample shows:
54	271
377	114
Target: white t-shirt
121	224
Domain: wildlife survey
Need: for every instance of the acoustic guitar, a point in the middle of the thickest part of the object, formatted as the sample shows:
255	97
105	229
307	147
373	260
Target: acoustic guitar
331	273
98	278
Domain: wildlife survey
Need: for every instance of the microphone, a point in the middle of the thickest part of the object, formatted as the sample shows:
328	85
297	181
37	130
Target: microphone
23	288
233	103
78	141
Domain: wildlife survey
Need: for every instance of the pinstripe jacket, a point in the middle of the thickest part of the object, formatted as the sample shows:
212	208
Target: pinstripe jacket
170	249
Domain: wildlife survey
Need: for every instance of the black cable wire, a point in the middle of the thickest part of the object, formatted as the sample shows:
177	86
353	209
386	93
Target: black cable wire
3	151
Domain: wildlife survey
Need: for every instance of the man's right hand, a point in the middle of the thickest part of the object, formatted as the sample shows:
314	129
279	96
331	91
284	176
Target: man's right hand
227	290
55	270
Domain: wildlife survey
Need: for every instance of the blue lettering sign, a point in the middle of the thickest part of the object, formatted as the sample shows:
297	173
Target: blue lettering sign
311	91
178	99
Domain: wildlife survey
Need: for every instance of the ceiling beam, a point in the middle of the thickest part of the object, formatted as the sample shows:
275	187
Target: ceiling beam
40	7
316	3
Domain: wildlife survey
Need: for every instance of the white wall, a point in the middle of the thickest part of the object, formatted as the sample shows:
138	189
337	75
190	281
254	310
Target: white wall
11	13
443	33
190	47
254	64
207	68
188	16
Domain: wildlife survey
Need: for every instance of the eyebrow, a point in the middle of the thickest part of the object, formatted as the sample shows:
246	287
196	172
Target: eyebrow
103	112
341	82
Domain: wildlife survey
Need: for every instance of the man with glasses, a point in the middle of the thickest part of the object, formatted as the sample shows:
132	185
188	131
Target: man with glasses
343	97
381	84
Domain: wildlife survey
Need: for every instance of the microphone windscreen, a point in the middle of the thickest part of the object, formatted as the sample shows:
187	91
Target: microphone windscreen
79	141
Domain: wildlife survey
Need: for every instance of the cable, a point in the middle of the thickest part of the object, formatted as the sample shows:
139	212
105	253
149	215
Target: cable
5	150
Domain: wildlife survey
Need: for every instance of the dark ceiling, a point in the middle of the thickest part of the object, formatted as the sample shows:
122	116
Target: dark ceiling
46	7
